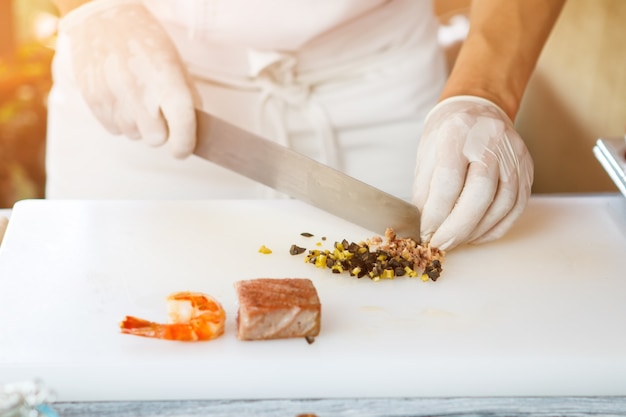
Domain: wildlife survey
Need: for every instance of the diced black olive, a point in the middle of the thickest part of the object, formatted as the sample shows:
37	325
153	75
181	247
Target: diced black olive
395	264
352	247
370	258
296	250
378	270
306	234
433	272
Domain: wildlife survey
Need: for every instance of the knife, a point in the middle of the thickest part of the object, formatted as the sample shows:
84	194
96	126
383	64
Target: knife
303	178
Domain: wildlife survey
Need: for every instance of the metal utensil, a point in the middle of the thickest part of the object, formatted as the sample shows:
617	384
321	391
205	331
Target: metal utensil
611	152
303	178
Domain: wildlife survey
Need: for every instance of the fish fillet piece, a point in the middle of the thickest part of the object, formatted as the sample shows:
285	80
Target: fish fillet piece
277	308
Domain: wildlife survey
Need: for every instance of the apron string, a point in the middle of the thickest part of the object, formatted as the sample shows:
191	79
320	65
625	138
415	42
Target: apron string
275	75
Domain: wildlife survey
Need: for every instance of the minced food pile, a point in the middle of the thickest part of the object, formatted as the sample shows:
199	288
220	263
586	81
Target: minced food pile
378	258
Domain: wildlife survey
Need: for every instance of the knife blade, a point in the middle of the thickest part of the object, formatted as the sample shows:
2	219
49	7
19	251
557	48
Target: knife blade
303	178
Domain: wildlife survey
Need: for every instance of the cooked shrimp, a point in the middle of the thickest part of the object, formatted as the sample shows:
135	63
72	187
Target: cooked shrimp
192	316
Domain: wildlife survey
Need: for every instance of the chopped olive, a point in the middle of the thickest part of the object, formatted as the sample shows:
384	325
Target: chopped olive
433	270
296	250
306	234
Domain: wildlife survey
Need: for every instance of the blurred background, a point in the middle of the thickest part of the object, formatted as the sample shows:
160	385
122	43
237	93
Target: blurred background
577	93
27	29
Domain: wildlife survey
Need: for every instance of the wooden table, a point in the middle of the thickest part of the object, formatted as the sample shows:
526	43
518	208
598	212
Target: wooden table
361	407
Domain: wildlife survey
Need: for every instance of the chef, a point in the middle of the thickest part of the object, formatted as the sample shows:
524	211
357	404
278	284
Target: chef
360	85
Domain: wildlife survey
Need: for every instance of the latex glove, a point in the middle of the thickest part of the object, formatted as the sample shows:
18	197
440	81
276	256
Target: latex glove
130	74
473	175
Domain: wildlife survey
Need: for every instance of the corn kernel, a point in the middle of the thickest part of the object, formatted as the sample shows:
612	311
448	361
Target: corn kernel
410	272
265	250
388	274
320	262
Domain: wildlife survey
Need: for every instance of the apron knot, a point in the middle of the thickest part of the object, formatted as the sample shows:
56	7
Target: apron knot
276	76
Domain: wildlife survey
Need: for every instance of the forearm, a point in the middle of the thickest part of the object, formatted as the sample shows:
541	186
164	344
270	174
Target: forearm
501	50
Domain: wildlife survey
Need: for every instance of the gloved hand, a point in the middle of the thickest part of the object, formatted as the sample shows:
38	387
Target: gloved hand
474	173
130	74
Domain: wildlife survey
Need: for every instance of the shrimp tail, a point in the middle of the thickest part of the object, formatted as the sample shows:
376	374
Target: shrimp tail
196	330
141	327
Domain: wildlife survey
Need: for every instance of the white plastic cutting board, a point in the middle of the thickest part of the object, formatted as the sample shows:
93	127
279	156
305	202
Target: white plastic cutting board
539	312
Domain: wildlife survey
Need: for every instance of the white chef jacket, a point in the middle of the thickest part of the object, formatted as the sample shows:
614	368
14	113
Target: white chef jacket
346	82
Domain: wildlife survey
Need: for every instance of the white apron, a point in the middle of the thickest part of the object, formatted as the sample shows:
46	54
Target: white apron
347	82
